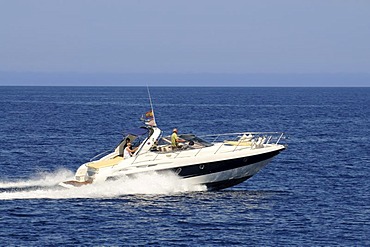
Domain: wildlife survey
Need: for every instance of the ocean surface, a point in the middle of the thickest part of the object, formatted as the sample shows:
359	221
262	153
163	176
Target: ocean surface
315	193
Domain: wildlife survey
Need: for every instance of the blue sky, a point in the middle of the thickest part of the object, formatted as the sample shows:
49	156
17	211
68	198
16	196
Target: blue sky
105	37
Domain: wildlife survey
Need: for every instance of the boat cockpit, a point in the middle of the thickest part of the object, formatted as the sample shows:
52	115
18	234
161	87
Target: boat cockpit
135	136
187	141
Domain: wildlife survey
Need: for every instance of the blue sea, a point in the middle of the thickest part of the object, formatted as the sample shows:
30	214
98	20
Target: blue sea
315	193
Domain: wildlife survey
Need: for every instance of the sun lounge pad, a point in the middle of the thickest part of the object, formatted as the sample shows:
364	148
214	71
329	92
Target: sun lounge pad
105	163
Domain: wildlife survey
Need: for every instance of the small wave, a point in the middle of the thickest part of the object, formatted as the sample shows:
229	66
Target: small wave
148	183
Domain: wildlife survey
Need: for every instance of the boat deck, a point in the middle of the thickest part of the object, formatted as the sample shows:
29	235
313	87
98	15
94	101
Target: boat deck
238	143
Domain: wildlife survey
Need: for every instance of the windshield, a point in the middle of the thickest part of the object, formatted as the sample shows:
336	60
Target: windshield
190	139
193	138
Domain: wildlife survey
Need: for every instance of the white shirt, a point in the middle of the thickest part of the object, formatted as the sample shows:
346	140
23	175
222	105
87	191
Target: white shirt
126	153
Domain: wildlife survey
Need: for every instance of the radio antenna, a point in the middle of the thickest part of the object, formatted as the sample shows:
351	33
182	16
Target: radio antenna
151	104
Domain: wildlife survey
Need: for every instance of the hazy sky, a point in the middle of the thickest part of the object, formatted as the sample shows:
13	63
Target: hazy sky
203	36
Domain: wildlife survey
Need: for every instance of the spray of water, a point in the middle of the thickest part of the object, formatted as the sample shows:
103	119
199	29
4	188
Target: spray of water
148	183
41	179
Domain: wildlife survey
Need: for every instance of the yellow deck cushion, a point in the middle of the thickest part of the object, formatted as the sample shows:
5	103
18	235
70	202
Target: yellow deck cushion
105	163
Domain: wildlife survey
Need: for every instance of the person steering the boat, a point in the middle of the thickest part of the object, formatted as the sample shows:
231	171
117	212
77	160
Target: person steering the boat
126	142
175	139
128	152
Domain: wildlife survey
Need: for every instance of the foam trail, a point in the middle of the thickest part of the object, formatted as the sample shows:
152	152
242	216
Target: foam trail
149	183
43	179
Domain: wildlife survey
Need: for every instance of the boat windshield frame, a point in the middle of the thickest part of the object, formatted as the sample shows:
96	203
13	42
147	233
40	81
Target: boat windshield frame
195	139
189	139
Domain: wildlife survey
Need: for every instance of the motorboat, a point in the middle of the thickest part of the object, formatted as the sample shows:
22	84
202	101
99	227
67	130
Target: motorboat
216	161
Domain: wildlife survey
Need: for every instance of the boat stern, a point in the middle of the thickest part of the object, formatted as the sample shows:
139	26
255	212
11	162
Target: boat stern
84	175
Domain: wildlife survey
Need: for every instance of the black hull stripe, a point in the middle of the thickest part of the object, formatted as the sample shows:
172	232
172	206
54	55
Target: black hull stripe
222	165
225	183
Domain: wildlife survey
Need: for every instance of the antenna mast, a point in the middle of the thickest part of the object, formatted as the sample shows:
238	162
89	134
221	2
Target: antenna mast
151	105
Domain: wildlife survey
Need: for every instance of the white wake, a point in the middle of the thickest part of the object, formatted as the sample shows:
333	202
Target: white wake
149	183
42	179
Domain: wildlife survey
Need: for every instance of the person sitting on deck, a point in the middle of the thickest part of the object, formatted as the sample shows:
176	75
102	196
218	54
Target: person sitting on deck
175	139
128	152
